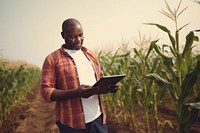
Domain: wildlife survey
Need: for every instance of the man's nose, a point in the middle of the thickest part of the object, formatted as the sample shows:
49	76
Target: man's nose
78	39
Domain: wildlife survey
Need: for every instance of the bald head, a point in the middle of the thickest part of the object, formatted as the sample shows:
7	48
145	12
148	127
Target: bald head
69	24
72	33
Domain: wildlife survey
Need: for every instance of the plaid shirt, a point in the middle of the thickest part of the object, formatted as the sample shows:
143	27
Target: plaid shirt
59	72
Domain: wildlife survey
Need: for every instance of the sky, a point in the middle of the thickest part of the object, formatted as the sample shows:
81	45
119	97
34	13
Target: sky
30	29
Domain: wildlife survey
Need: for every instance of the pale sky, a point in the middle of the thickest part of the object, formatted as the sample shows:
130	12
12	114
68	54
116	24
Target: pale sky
30	29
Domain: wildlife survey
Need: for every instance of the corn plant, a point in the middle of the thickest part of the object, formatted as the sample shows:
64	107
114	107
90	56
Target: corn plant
147	91
122	102
15	82
180	72
134	90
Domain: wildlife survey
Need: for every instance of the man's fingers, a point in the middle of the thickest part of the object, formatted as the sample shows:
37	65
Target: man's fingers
113	88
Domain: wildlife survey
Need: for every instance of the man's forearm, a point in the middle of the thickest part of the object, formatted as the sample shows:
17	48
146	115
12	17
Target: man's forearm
59	95
84	91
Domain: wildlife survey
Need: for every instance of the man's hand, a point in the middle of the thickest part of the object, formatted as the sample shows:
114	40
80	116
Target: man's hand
110	88
113	88
86	91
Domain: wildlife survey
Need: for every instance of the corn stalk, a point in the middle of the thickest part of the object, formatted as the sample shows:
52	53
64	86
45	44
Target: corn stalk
181	72
120	104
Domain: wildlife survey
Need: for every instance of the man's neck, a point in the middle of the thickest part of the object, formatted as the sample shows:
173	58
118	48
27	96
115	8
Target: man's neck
70	47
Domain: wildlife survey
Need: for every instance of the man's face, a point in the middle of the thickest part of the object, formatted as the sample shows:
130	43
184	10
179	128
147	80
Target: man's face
73	37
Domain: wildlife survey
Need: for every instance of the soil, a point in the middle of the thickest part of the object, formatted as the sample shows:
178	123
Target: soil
31	116
37	116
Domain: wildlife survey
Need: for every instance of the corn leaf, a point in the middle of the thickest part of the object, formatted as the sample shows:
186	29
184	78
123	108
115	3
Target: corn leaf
165	29
189	81
192	114
183	27
166	60
172	51
151	48
157	49
194	105
163	84
155	64
189	42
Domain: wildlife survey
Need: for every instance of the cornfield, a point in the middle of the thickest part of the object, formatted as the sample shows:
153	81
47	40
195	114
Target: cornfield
153	73
16	79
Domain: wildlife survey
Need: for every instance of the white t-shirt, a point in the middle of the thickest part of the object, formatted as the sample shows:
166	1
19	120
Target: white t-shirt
86	74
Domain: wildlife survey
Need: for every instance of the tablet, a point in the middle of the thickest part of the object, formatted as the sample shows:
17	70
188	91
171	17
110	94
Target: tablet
109	80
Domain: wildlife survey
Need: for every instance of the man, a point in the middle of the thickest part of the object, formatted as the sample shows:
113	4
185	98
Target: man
67	78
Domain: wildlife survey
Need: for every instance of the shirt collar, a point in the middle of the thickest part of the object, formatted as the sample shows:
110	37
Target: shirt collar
84	49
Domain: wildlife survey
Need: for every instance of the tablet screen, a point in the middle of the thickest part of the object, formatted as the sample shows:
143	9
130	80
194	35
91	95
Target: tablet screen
109	80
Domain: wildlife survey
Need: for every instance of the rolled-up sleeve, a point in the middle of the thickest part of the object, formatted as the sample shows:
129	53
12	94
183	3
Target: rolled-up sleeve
48	79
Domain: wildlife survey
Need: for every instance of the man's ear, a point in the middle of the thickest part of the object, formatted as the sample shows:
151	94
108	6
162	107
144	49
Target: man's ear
63	35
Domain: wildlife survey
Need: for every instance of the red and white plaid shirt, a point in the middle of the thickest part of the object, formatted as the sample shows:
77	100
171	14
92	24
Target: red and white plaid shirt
59	72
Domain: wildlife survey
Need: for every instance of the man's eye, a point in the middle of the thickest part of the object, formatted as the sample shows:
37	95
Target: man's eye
71	36
81	35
